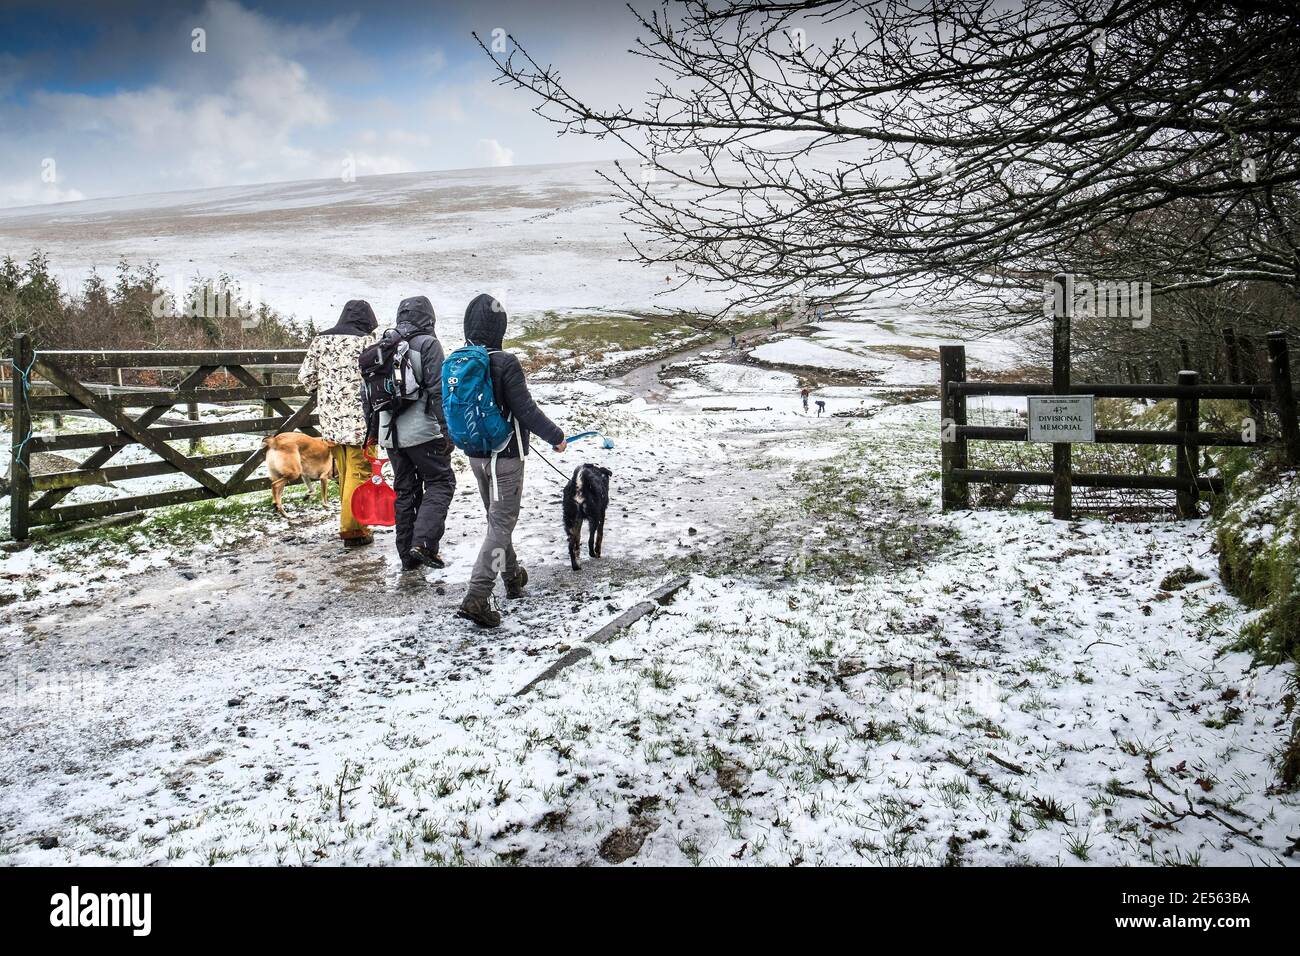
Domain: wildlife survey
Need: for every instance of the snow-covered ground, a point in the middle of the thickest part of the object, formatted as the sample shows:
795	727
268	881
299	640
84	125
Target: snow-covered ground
849	676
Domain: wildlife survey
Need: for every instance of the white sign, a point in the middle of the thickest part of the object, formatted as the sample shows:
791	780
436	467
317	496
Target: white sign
1054	418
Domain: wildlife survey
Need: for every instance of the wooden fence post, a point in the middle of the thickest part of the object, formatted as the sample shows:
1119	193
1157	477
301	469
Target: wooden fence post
20	479
1062	306
1279	364
1187	467
952	412
268	379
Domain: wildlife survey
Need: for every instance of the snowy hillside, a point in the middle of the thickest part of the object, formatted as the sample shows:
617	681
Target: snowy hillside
538	237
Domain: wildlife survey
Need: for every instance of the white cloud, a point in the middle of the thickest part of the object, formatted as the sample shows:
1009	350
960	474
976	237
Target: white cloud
232	115
33	192
494	154
239	135
371	164
269	101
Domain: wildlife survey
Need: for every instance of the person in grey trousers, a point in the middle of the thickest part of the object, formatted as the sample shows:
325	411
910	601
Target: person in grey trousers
500	477
417	444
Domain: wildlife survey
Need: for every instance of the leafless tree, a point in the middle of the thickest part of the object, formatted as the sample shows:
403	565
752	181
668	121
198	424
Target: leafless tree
837	148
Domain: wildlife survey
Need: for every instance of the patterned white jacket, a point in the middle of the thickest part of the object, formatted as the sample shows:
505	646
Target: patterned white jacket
331	371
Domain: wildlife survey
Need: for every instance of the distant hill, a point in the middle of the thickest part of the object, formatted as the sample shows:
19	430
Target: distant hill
539	237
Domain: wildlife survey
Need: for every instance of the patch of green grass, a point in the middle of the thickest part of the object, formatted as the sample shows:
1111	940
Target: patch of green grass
1079	845
659	676
692	850
574	341
177	525
918	353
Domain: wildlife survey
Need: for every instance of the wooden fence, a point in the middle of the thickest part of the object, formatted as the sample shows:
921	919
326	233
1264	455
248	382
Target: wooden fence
52	383
1186	482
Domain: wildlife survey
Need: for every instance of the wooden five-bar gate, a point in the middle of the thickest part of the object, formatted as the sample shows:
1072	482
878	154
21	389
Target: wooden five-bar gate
54	382
1187	483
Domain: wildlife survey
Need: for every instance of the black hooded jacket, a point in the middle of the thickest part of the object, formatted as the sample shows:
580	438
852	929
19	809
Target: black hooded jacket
485	324
357	318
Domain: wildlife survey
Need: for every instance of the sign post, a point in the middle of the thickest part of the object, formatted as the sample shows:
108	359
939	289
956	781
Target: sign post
1062	306
1061	419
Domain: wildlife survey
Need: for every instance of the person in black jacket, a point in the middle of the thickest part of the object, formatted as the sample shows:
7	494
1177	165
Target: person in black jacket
418	445
501	477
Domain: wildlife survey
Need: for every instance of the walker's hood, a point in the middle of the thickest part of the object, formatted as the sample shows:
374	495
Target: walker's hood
357	318
485	322
415	315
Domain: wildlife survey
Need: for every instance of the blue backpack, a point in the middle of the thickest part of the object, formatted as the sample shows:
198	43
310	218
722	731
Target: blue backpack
474	421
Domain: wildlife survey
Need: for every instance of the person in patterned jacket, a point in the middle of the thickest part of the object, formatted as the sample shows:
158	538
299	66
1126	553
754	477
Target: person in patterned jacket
331	371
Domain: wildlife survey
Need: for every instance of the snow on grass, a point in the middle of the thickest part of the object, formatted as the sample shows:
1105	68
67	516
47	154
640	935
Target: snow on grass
725	377
850	678
803	352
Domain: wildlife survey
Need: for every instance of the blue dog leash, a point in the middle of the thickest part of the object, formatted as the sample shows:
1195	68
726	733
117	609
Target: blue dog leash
604	442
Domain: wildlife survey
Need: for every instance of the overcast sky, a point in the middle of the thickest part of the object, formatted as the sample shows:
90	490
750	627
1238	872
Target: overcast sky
109	98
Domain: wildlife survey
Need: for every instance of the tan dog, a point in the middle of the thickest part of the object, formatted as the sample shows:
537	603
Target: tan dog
293	456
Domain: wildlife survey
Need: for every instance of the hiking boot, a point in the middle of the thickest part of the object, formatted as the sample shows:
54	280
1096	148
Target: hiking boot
358	540
480	611
411	564
515	585
425	556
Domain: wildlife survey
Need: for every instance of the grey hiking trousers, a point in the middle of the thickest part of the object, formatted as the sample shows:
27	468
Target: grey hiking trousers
497	556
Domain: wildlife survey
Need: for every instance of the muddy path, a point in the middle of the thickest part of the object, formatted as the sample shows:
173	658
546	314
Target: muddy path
279	643
289	629
262	658
279	611
644	380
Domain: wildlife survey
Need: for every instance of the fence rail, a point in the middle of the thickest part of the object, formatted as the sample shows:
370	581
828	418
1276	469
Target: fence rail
1112	390
957	476
50	383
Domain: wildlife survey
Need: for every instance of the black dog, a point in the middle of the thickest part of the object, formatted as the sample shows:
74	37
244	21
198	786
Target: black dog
585	497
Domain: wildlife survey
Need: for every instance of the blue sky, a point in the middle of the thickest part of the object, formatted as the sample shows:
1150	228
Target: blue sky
103	99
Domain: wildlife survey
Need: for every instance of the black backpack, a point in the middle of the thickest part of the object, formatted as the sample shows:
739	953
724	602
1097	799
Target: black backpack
388	378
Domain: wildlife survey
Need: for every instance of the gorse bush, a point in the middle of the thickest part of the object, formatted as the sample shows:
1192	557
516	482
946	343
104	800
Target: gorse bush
136	311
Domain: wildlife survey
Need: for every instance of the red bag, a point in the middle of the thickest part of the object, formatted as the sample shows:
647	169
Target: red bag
374	502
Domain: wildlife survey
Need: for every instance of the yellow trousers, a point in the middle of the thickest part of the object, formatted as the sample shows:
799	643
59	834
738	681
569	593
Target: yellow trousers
353	471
